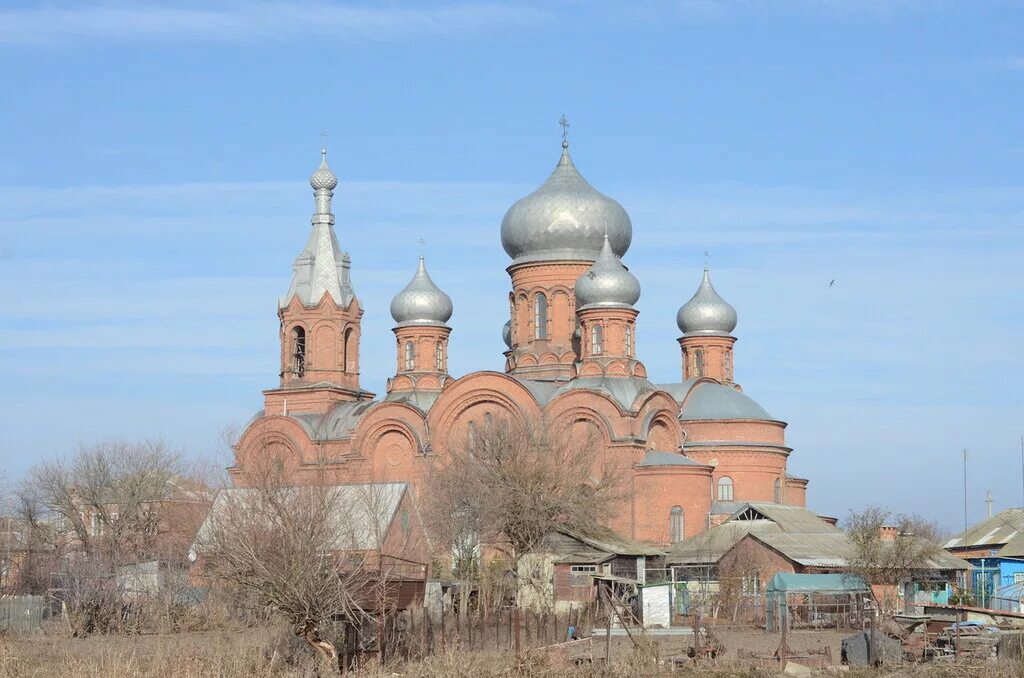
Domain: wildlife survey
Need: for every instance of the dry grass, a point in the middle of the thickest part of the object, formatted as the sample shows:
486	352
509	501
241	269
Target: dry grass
261	653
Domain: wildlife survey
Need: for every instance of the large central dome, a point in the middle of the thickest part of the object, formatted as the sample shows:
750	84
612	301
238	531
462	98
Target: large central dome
566	218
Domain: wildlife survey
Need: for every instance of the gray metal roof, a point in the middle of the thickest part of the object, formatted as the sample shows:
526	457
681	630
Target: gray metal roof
706	313
336	424
607	283
823	549
679	389
708	400
421	302
566	218
421	400
321	267
1000	529
656	458
711	545
506	333
543	391
624	390
362	512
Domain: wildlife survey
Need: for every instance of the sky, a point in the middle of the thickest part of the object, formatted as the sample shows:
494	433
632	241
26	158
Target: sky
153	195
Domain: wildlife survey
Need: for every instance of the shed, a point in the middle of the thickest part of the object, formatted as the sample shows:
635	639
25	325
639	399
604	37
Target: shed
826	599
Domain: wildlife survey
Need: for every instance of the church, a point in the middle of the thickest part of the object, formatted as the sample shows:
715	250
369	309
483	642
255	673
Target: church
692	451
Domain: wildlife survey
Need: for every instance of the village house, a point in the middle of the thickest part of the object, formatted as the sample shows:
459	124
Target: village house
995	549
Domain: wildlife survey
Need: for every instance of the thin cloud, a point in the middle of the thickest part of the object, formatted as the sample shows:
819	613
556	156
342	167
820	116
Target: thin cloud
241	22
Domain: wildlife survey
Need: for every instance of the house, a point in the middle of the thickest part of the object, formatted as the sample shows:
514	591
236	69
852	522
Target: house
726	568
995	549
375	526
566	569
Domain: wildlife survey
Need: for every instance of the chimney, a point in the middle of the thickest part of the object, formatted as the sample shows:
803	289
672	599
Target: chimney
888	533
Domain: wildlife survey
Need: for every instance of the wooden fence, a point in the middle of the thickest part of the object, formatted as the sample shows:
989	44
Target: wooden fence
417	633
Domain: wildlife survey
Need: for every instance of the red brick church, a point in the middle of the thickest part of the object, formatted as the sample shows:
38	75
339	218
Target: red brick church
692	450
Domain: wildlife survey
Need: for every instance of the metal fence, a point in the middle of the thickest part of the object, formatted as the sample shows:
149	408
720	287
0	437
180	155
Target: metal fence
21	614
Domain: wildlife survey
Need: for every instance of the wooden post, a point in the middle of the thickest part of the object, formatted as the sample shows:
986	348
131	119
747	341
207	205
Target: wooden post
444	643
515	628
608	630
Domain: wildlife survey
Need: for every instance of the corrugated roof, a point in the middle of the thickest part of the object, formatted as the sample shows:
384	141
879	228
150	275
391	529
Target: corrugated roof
789	581
1002	528
823	549
711	545
362	512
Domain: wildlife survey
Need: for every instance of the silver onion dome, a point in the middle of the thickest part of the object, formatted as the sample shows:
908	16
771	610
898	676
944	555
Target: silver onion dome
564	219
421	302
706	313
607	282
506	333
323	178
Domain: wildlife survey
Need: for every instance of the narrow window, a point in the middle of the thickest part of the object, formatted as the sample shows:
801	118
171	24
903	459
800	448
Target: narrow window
778	491
698	359
675	524
728	365
299	351
439	357
725	489
410	355
471	435
629	340
349	362
596	339
540	317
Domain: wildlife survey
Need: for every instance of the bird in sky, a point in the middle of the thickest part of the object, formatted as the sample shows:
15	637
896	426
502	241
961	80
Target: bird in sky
832	282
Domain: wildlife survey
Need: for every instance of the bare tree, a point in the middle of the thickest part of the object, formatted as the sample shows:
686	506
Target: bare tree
514	481
311	553
107	507
888	549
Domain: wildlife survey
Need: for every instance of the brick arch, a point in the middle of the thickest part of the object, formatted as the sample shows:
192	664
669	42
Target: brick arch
491	392
389	417
285	436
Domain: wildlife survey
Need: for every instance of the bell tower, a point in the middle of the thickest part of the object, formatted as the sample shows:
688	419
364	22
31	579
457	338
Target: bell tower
319	317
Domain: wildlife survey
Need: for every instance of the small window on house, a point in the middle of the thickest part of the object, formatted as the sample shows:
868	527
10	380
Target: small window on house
540	317
439	357
698	362
752	584
778	491
410	355
725	489
675	524
629	340
298	351
596	340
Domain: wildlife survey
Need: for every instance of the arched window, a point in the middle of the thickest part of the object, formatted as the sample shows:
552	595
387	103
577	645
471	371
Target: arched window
698	362
725	489
728	365
675	524
540	317
778	491
629	340
596	339
348	362
299	351
439	357
410	355
471	435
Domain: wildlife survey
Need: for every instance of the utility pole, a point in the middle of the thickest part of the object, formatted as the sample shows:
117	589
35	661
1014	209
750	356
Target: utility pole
1022	469
965	492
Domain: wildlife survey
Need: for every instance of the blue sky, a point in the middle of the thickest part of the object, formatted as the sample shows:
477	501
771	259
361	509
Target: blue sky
153	164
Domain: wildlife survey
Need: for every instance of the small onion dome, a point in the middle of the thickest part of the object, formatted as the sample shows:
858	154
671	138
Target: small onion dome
607	282
564	219
706	313
506	333
421	302
323	178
